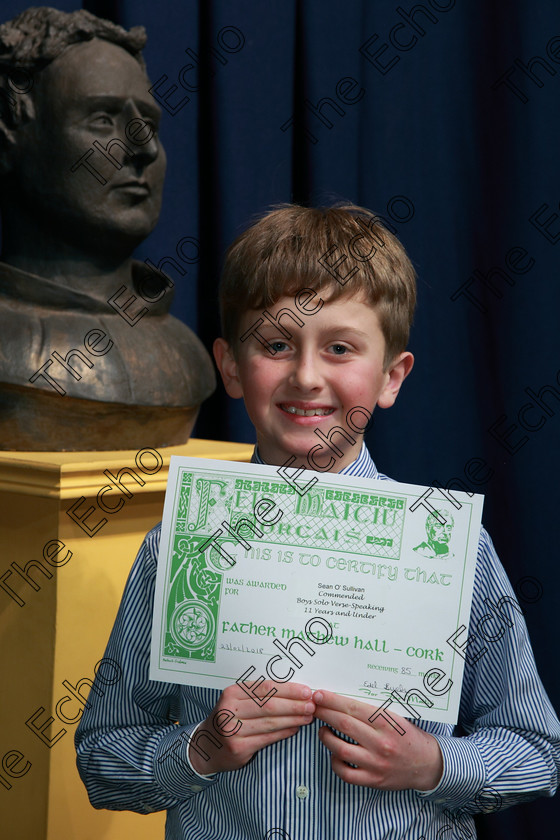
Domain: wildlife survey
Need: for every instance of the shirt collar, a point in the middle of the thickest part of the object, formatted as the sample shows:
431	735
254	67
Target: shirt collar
362	467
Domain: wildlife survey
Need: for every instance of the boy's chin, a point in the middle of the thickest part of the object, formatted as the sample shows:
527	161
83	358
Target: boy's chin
282	452
301	452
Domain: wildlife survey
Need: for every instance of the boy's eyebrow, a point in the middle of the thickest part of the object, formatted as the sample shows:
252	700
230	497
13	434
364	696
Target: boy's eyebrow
345	328
337	329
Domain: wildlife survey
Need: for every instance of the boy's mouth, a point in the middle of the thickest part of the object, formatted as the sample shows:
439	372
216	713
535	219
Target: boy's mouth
306	412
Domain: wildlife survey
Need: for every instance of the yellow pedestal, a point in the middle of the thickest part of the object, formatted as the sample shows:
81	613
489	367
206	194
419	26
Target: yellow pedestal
56	616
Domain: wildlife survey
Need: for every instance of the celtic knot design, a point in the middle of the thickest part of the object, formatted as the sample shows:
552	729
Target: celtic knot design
192	625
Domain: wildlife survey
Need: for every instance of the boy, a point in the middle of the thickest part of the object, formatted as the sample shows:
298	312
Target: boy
308	337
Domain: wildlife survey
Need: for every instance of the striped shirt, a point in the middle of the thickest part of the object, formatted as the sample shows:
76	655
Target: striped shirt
132	741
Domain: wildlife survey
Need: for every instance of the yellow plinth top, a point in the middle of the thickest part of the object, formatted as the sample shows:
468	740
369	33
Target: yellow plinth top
67	475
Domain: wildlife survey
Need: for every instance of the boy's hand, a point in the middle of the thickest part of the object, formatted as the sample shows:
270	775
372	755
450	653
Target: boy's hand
384	758
279	718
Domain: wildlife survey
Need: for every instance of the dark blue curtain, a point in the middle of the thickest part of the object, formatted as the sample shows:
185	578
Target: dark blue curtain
443	117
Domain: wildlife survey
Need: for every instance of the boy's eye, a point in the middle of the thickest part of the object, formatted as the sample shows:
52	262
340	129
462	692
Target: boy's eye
339	349
279	346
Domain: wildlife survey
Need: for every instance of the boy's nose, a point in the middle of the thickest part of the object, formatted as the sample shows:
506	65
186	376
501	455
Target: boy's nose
306	373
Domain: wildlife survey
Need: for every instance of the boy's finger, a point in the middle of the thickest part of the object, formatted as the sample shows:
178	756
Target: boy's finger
274	708
262	726
347	705
257	742
353	727
328	700
289	690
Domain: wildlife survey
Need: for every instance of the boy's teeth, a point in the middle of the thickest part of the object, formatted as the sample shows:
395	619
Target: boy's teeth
291	409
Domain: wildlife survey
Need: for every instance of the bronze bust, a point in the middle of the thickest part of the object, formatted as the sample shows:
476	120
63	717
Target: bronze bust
89	356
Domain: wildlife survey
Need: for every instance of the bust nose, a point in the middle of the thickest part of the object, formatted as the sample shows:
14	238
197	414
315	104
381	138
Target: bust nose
147	152
141	137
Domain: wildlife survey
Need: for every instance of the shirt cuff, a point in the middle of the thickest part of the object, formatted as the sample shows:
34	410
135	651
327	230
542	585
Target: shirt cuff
464	773
207	777
173	770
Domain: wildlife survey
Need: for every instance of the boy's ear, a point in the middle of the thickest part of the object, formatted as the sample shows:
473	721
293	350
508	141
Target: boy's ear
396	373
228	368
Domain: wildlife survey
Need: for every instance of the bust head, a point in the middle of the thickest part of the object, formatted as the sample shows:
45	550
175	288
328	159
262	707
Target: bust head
439	532
80	157
81	178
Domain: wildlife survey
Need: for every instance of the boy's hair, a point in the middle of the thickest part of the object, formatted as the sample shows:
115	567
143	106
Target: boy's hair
338	250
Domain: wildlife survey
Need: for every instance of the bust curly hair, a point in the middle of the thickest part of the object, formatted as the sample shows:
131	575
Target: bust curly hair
32	40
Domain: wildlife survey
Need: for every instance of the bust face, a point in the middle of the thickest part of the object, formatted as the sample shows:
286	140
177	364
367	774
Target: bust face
438	533
90	93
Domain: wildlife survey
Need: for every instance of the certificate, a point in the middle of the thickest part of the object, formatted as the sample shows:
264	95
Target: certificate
348	584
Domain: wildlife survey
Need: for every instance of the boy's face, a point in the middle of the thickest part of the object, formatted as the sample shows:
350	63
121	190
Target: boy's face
328	367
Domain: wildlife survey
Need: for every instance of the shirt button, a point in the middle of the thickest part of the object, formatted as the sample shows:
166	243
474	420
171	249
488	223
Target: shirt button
302	792
197	788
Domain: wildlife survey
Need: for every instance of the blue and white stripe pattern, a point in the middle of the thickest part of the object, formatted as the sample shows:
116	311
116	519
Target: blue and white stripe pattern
131	756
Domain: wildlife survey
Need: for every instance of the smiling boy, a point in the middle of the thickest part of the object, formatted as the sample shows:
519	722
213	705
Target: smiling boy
277	765
332	364
350	349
